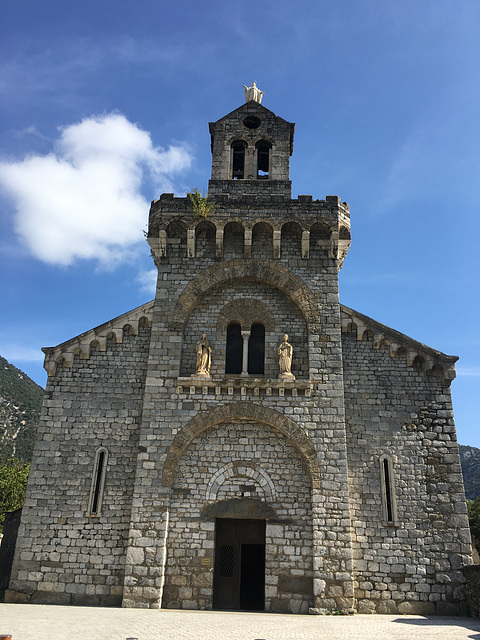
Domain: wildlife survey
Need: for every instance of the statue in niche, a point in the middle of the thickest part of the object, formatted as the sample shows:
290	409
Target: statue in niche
204	357
253	93
285	355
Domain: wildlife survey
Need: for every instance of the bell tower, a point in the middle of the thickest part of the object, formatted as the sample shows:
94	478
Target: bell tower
251	149
245	283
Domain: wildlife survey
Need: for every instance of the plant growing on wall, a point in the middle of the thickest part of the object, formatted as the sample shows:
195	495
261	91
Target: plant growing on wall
200	203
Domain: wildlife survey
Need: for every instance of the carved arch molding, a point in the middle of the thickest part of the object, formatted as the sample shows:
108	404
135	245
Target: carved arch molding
241	411
271	273
244	311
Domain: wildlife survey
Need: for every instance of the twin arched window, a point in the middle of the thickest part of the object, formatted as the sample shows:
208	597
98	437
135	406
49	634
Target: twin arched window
262	154
245	351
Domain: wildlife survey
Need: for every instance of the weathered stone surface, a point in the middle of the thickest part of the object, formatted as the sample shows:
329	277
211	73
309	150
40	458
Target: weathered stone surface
137	459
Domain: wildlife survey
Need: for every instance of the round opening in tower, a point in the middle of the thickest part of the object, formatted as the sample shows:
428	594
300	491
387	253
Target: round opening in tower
252	122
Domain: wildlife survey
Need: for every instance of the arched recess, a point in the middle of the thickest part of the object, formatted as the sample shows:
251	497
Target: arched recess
249	412
177	239
319	240
262	241
291	240
271	273
233	240
205	238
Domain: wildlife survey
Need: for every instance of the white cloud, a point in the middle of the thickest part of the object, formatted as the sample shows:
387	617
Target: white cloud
84	199
148	281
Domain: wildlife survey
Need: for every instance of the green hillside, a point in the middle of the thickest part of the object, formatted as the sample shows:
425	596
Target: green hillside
470	459
20	404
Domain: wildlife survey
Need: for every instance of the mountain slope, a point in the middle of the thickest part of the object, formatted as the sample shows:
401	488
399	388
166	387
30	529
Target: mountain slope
20	404
470	459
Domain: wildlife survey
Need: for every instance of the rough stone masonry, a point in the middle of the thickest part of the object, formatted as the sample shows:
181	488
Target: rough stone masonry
335	487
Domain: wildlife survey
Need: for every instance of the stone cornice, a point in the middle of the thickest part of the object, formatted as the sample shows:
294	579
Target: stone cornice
426	359
81	345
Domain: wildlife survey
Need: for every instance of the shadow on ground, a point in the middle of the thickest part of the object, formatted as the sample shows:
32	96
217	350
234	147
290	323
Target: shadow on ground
437	621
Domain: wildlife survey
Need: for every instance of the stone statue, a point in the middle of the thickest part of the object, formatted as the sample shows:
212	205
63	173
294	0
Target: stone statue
253	93
285	355
204	356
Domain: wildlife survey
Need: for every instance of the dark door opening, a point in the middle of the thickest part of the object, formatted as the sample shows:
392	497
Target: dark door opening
239	575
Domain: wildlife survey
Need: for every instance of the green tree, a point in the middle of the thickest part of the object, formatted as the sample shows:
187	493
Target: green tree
473	508
13	482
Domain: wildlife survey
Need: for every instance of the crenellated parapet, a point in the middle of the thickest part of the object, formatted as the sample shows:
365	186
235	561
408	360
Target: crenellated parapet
97	339
418	355
235	228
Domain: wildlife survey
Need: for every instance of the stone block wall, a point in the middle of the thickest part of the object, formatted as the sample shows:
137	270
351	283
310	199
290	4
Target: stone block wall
413	564
63	555
231	461
283	317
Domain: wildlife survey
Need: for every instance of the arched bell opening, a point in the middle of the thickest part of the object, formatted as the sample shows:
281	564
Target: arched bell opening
262	150
238	159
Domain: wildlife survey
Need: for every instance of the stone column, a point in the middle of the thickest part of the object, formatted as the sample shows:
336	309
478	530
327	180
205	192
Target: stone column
305	244
245	336
277	235
247	248
219	242
190	243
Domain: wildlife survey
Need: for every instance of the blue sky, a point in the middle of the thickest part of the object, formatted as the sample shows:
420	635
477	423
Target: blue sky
105	105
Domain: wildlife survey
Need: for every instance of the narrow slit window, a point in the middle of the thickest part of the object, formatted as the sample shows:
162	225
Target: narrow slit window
234	349
238	159
256	349
98	482
388	493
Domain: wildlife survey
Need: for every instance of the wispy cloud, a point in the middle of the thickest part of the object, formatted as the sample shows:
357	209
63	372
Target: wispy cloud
30	131
437	155
20	353
148	281
84	199
468	371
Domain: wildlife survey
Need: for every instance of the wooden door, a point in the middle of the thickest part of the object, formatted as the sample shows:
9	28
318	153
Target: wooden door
239	574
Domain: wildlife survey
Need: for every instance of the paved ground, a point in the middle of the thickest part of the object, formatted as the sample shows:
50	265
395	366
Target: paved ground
42	622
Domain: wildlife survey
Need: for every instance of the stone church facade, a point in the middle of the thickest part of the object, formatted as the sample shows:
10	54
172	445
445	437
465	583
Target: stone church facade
178	466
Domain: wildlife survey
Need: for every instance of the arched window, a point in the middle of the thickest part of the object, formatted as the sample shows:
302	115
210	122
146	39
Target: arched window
263	159
388	490
238	159
234	350
98	482
256	349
